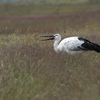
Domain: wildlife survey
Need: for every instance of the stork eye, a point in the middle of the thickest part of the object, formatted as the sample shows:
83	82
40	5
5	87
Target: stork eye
56	35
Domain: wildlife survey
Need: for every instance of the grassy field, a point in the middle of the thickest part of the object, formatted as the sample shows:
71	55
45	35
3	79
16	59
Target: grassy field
29	67
31	70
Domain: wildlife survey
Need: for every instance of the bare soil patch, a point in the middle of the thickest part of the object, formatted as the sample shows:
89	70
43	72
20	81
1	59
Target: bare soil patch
73	15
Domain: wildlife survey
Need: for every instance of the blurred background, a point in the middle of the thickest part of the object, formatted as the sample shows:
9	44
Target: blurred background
48	15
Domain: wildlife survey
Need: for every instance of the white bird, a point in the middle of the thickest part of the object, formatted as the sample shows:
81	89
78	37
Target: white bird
72	45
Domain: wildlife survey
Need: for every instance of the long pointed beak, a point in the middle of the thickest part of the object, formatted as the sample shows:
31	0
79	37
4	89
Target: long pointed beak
51	38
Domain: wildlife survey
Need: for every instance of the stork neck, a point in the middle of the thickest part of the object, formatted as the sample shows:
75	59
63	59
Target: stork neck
56	45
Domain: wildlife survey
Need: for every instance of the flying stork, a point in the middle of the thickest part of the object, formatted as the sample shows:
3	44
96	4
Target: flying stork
72	45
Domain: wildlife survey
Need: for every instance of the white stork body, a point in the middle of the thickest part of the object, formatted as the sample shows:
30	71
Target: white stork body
72	45
69	45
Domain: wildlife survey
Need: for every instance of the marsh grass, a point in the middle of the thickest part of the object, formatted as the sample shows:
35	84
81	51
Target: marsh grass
31	70
29	67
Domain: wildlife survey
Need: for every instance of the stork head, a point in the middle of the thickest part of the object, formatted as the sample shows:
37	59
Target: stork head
55	37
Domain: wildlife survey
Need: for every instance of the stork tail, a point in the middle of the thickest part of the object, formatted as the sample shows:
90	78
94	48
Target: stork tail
95	47
92	46
89	45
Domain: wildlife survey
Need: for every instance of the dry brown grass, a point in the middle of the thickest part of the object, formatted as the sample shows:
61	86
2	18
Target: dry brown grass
30	69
